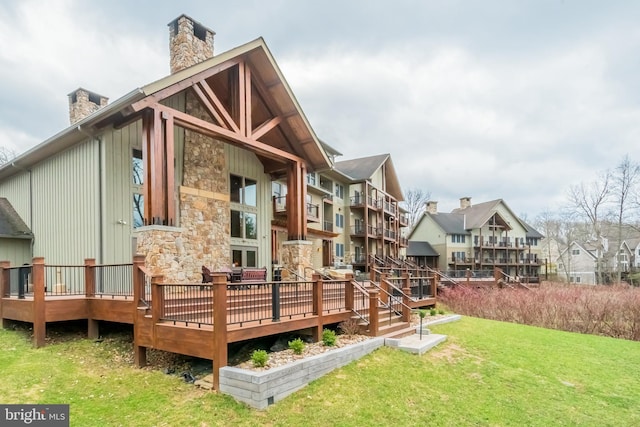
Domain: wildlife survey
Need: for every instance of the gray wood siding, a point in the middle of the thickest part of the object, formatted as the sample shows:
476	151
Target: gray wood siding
16	251
244	163
118	192
66	206
16	190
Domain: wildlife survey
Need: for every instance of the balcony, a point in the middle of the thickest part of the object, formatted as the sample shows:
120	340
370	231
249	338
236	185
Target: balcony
359	200
404	242
389	208
458	260
327	226
404	220
389	234
313	213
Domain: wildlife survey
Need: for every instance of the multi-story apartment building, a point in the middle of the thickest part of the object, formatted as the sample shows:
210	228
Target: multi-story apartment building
352	212
479	238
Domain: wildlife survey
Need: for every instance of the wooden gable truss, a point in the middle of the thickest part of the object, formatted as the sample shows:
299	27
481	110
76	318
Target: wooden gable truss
244	110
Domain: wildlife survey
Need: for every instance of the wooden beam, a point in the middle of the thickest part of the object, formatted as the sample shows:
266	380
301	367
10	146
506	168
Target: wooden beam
226	116
296	202
265	127
158	171
187	121
147	138
183	84
170	168
247	101
242	109
209	106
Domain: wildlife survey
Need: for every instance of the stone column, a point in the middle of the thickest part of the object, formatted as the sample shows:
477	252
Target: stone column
296	256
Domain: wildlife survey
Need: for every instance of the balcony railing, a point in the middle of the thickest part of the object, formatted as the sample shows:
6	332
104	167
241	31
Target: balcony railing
313	212
327	226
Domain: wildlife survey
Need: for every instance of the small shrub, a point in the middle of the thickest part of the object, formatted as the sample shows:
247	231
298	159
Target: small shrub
440	311
259	358
297	346
433	312
422	313
329	338
349	327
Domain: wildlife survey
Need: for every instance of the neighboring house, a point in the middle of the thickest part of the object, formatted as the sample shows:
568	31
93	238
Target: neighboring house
577	263
15	236
213	165
633	246
479	238
550	249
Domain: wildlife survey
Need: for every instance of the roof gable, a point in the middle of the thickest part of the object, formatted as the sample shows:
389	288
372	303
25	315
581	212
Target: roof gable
277	109
11	225
365	168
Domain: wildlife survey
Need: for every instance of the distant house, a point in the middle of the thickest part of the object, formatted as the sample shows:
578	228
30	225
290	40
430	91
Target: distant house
550	249
479	238
578	263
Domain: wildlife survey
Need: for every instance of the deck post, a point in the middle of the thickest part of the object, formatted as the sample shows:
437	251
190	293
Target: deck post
139	352
317	306
220	354
39	318
384	297
434	285
4	287
348	293
373	312
138	279
406	290
93	330
157	307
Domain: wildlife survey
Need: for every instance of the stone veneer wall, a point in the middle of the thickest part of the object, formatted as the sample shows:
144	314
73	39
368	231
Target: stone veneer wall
296	255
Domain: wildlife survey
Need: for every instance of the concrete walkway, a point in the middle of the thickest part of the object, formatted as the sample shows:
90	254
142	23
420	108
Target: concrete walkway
417	344
414	344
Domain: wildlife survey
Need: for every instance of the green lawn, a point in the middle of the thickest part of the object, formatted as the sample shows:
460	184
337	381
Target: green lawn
486	374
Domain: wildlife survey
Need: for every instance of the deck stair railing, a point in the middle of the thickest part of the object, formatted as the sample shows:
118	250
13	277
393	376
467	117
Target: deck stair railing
358	303
392	298
504	279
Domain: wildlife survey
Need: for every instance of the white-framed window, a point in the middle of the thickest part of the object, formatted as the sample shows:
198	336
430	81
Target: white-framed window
340	250
458	238
339	220
575	251
244	213
340	192
311	178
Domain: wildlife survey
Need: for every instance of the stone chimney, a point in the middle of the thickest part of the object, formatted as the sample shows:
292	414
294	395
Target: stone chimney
82	103
432	207
189	43
465	202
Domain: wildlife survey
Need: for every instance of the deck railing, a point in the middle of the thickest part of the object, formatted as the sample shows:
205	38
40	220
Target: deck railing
188	304
333	295
114	280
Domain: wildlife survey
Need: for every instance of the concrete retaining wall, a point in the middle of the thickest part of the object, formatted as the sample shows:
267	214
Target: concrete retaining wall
261	389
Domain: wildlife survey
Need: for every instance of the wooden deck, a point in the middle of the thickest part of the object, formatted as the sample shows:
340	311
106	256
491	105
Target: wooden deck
195	319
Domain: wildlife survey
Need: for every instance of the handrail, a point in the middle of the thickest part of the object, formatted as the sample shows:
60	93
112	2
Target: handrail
512	279
364	292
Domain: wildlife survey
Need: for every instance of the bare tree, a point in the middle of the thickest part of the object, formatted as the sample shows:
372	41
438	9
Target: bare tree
414	202
624	180
589	201
6	154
